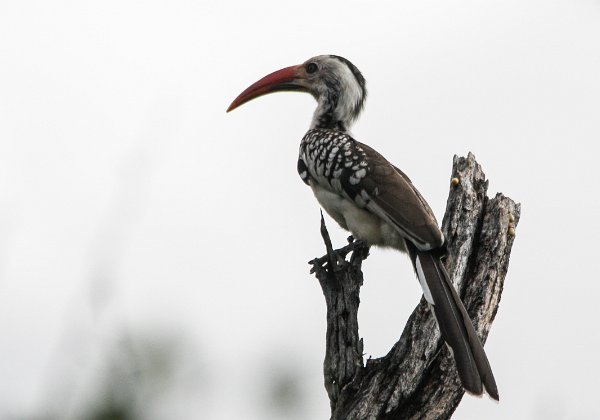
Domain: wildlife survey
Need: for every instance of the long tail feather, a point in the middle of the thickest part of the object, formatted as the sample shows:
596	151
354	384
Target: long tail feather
455	325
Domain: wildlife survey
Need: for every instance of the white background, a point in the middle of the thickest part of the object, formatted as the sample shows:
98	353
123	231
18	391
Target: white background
130	201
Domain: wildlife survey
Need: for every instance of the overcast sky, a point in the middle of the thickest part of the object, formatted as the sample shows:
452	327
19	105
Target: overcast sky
130	201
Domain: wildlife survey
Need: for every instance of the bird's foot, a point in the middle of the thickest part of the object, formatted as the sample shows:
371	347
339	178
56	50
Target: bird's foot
360	249
336	257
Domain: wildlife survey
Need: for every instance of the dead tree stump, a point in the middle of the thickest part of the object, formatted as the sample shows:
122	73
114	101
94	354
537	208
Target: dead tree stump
417	378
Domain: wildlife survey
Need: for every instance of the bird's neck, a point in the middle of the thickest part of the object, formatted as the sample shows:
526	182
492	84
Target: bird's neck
337	110
327	116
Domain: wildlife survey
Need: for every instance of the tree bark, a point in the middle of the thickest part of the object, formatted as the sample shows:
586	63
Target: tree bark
417	378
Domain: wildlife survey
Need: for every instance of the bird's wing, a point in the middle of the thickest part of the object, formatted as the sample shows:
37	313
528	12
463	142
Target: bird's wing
393	197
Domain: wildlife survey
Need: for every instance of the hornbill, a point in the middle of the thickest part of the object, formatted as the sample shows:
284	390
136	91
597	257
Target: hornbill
373	199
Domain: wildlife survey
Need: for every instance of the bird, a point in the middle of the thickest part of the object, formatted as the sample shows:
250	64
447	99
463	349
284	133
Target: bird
373	199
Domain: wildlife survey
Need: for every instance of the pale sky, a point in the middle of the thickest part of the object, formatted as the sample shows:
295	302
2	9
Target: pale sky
130	201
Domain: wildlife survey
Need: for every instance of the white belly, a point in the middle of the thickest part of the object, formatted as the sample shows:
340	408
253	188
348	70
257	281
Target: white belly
360	222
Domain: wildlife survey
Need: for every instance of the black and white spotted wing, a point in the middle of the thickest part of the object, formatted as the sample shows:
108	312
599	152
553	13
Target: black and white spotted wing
338	162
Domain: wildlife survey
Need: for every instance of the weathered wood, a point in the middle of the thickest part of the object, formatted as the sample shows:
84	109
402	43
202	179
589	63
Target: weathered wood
417	378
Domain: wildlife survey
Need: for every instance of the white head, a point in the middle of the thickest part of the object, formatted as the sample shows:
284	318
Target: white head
336	84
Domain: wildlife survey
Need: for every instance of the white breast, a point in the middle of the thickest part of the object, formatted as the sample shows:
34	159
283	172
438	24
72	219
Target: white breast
360	222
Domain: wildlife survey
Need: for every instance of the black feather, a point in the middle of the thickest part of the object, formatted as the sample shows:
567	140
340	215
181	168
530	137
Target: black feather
455	325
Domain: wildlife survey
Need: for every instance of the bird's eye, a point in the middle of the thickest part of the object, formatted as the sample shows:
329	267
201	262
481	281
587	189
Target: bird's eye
311	68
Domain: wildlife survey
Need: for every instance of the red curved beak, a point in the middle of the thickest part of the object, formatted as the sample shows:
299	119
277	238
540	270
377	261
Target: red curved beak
287	79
